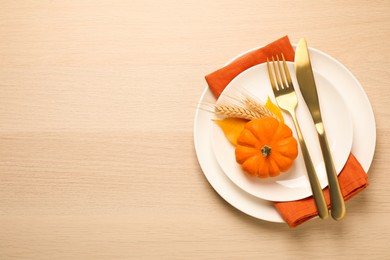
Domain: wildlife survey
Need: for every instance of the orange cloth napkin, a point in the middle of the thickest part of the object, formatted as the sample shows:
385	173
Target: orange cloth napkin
352	178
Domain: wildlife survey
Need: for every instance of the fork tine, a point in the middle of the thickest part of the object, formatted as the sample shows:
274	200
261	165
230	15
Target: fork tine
277	74
282	72
287	73
271	76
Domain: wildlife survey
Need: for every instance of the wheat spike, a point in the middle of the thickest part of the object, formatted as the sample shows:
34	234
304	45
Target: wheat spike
238	112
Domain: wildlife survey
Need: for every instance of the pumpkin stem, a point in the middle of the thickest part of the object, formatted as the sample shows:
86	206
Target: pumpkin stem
265	150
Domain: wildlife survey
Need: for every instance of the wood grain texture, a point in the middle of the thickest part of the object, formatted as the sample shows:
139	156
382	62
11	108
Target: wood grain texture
97	102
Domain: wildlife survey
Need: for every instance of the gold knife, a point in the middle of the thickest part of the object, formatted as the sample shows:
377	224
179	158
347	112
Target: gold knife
308	89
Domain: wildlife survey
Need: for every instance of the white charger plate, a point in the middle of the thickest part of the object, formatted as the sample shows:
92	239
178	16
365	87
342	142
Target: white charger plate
294	183
363	144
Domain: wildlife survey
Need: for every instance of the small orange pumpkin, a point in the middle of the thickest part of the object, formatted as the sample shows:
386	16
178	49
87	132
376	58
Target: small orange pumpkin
266	147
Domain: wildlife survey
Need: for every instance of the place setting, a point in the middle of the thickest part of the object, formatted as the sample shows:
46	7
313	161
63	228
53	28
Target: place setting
285	133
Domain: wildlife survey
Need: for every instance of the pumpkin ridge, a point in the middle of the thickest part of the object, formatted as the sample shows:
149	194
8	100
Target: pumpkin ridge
282	161
247	138
282	132
245	152
276	167
287	152
270	133
252	127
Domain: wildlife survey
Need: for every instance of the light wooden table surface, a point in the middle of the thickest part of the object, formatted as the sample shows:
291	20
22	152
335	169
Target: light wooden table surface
97	103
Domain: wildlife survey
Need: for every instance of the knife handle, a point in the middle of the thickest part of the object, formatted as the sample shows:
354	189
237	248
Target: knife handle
311	172
336	197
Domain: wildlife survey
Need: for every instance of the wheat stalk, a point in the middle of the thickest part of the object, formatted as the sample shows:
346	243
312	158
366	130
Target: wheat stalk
235	111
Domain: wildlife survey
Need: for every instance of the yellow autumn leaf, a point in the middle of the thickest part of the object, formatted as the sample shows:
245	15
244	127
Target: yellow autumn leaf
274	109
232	127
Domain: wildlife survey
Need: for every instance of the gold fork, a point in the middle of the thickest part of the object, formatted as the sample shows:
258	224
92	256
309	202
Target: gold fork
286	99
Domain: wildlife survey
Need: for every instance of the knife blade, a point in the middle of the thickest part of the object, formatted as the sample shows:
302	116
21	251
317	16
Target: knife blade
307	85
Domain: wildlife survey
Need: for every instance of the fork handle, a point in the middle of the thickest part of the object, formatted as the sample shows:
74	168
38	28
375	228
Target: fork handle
311	172
336	197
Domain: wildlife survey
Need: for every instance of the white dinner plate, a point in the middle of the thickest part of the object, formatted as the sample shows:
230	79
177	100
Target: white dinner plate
294	183
363	144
